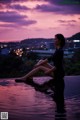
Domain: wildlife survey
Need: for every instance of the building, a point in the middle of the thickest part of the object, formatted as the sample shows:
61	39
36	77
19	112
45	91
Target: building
5	51
49	45
68	53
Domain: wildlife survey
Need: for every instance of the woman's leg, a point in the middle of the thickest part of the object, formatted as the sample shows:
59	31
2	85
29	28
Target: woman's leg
38	63
34	71
46	64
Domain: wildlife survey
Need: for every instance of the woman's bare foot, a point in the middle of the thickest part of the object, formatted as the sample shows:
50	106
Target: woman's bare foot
20	79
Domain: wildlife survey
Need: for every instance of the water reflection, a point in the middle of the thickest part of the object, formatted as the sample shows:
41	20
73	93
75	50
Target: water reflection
60	112
58	98
25	103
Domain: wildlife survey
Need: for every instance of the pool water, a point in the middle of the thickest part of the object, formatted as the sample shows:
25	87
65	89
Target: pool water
23	102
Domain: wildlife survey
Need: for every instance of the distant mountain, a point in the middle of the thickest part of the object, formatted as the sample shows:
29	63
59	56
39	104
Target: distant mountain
41	40
75	37
37	40
32	40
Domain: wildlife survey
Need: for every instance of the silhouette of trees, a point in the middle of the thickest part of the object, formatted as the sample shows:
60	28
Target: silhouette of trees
72	66
32	56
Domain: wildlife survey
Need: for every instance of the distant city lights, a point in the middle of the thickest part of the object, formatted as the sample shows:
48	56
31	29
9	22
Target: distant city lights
76	40
19	52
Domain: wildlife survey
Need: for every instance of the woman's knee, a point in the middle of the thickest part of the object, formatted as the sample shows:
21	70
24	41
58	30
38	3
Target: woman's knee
39	67
43	68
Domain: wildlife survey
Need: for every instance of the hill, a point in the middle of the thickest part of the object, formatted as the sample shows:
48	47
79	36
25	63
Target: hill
75	37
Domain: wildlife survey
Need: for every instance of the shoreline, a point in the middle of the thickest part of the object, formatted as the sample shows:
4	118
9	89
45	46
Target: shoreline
39	76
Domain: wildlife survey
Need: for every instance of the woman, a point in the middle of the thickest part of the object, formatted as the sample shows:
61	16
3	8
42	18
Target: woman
57	59
59	71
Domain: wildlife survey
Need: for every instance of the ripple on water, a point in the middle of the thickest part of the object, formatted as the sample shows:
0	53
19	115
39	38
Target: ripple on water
24	103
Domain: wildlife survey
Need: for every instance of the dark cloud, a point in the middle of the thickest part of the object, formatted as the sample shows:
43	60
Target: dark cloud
9	1
19	24
58	2
11	16
68	25
5	1
54	1
48	8
60	6
64	2
59	9
67	21
68	6
27	22
18	7
55	6
8	25
15	18
7	4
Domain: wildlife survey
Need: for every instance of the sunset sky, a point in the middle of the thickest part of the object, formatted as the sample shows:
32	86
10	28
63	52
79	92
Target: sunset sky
21	19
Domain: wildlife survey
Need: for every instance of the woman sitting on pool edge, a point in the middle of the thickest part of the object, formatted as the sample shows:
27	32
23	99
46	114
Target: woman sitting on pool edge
57	58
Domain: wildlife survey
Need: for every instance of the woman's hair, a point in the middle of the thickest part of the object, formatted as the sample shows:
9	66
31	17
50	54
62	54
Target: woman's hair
61	38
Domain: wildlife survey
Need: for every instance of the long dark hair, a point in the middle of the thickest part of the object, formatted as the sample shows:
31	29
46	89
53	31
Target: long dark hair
61	38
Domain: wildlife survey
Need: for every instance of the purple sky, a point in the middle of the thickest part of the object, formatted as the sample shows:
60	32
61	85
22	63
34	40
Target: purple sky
20	19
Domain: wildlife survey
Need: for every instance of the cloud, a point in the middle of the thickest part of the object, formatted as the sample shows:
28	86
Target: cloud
8	25
11	16
15	18
55	6
50	1
64	2
27	22
5	1
7	4
67	21
68	25
18	7
68	9
47	8
68	6
9	1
